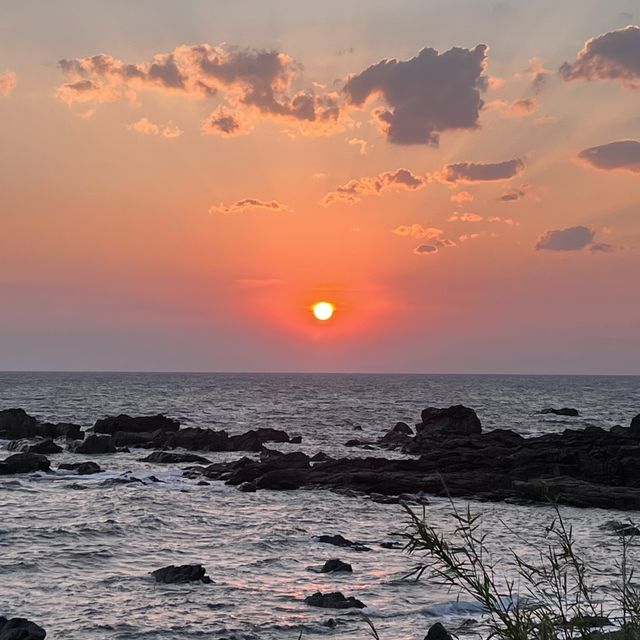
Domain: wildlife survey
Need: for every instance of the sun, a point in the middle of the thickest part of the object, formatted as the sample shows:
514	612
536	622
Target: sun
323	310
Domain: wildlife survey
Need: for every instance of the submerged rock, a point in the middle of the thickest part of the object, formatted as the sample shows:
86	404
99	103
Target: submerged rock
335	565
181	574
340	541
20	629
16	424
24	463
81	468
565	411
334	600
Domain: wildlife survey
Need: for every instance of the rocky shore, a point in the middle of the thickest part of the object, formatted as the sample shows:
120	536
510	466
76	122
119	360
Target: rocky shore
447	453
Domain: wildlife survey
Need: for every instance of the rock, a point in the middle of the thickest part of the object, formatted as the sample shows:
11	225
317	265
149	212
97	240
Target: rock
81	468
402	427
93	445
255	439
334	565
621	528
320	457
635	426
380	499
166	457
341	541
141	424
16	424
295	439
41	446
181	574
565	411
279	460
334	600
391	545
247	487
59	430
455	420
24	463
282	479
20	629
437	632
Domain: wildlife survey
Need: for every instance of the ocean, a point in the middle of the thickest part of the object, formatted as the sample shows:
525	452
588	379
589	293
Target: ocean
75	552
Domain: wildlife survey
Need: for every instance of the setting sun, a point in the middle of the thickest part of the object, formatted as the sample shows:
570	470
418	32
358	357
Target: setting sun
323	310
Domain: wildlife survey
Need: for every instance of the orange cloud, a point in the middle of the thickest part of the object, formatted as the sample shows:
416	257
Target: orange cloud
465	217
463	196
8	83
354	190
418	232
247	204
149	128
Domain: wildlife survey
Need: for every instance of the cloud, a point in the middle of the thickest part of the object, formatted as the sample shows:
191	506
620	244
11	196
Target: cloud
149	128
361	143
258	82
425	250
622	155
571	239
462	196
610	56
601	247
224	123
248	204
353	191
516	109
425	96
481	171
465	217
512	195
7	83
538	73
468	236
418	232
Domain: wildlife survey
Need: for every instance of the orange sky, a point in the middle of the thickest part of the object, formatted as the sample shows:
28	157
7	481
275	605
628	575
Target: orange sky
179	183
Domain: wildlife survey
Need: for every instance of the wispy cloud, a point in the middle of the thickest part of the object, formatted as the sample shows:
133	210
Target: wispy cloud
249	204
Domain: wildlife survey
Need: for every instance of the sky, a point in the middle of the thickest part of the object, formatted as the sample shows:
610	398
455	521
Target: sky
181	181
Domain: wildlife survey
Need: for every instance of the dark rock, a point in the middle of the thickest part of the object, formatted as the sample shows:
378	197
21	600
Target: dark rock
295	439
166	457
341	541
140	424
334	600
16	424
320	457
81	468
282	479
354	442
635	426
456	420
391	545
333	565
94	444
437	632
122	439
565	411
255	439
380	499
402	427
621	528
20	629
59	430
181	574
41	446
279	460
24	463
247	487
357	427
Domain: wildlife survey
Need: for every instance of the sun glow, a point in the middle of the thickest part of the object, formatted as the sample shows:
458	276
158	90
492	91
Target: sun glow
323	310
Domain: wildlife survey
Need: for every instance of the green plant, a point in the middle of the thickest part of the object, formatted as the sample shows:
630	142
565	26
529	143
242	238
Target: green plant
549	598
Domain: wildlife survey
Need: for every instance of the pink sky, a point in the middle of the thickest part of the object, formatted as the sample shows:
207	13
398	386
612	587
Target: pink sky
179	183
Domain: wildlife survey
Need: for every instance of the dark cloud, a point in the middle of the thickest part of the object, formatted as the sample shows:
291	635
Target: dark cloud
426	95
425	250
352	191
611	56
512	195
571	239
601	247
225	123
481	171
623	155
